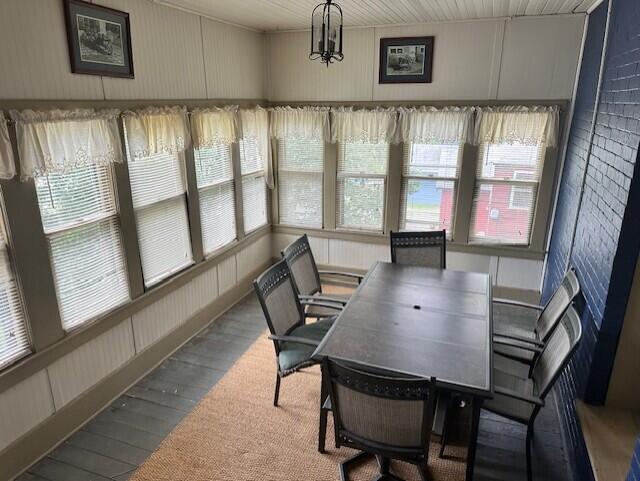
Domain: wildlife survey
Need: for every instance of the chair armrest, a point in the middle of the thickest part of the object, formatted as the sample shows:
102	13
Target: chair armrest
294	339
342	302
516	395
320	304
517	344
358	277
525	305
534	342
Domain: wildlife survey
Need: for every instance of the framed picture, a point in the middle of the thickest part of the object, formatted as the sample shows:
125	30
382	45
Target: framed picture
406	60
99	39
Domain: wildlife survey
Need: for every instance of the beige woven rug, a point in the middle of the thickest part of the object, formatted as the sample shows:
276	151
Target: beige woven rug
236	434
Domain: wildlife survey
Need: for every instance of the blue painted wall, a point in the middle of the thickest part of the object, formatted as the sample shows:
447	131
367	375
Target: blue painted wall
634	470
608	232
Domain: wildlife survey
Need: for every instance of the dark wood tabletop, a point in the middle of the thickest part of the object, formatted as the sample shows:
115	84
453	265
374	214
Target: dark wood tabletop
420	322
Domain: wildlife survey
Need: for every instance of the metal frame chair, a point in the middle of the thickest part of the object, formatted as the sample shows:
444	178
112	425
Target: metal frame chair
525	343
306	276
294	340
389	418
415	248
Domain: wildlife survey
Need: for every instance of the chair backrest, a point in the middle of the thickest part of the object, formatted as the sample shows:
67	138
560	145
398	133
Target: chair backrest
303	266
557	305
279	299
374	412
427	249
557	352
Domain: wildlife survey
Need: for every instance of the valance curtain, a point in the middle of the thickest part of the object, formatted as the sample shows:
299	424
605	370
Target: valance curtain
517	124
59	140
214	126
366	126
157	130
255	125
7	163
429	125
300	123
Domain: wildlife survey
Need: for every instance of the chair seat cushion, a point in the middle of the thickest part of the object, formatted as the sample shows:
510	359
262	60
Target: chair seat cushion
506	406
506	316
510	366
294	356
513	352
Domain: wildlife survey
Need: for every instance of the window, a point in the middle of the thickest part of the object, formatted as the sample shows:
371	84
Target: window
80	220
300	181
505	193
254	187
14	339
361	185
214	174
429	185
158	189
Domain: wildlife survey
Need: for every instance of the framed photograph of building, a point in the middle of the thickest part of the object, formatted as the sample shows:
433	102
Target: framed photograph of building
406	60
99	39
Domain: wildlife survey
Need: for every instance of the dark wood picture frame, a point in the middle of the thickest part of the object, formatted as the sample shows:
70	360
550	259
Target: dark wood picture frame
406	64
99	39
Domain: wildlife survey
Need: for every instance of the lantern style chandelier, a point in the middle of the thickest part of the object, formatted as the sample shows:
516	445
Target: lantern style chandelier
326	33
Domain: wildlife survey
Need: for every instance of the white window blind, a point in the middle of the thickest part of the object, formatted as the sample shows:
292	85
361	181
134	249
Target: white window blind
158	189
254	187
505	193
79	216
214	173
430	175
361	185
300	181
14	338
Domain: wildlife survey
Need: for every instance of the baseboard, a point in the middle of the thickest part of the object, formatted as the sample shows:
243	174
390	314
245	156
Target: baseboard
45	437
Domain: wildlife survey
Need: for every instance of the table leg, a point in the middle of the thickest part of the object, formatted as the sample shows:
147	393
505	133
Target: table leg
473	437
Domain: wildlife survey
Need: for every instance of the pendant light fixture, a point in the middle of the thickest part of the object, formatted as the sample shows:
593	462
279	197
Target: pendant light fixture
326	33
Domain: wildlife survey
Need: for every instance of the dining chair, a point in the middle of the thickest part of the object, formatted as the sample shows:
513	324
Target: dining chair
427	249
306	276
294	340
521	397
389	418
522	337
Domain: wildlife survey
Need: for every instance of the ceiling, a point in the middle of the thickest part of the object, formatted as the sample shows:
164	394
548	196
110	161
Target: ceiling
270	15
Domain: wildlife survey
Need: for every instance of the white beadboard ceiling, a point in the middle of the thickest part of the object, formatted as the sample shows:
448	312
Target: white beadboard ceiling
271	15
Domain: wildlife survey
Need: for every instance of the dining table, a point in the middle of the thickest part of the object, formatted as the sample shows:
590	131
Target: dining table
421	322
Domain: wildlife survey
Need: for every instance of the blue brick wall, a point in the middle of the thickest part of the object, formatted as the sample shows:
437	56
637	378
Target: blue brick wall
608	232
634	470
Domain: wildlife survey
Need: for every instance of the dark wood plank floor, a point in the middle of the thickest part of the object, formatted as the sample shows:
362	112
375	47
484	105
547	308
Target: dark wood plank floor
120	438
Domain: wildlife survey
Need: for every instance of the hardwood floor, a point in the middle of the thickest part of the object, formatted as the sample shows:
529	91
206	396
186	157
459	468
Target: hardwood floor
120	438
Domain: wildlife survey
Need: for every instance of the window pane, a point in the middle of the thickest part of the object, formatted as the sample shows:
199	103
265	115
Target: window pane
14	339
301	155
363	158
89	270
250	160
78	196
501	161
300	195
213	165
432	160
217	215
360	203
156	178
163	235
254	202
495	218
427	204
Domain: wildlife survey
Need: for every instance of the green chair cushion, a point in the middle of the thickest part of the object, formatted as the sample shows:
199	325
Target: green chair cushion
292	355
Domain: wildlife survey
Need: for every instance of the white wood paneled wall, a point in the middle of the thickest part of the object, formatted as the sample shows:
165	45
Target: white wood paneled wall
33	400
508	272
533	58
176	55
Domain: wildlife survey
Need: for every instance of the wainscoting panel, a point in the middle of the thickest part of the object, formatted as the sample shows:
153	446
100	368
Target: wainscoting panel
76	372
253	255
227	276
356	255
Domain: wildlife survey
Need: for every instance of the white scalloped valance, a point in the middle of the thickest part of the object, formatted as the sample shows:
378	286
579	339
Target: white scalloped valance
255	125
58	140
300	123
157	130
429	125
517	124
7	162
214	126
373	126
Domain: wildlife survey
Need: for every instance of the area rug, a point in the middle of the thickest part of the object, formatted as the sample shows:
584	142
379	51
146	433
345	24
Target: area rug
236	434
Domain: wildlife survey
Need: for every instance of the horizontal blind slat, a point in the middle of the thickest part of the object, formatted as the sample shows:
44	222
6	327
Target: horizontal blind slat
254	202
217	215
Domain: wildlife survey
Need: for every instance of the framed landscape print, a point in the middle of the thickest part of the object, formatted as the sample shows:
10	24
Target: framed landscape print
99	39
406	60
